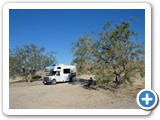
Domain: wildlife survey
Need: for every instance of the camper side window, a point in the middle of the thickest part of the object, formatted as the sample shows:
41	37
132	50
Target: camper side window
65	71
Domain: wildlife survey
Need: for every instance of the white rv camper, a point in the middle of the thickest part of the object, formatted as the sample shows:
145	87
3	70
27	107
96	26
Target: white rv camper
60	73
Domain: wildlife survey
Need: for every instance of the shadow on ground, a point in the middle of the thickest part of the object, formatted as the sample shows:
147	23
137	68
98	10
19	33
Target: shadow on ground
32	80
84	82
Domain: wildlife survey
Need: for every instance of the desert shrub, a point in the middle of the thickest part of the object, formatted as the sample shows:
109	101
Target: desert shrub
36	77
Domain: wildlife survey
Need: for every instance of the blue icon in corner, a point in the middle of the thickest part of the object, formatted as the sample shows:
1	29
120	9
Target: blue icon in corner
147	99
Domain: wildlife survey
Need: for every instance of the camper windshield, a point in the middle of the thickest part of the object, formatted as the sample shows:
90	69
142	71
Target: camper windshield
51	73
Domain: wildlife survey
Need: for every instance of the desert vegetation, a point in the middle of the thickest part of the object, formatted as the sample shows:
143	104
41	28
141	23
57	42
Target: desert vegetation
27	60
114	55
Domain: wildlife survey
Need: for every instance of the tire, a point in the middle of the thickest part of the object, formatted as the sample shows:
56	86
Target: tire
54	82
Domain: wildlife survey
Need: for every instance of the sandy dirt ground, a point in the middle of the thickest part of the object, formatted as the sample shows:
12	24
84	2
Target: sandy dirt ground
35	95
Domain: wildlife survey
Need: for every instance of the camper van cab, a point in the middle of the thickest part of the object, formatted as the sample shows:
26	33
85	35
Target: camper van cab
60	73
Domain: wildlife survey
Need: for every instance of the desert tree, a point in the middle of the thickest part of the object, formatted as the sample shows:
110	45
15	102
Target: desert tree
115	53
25	61
120	53
82	51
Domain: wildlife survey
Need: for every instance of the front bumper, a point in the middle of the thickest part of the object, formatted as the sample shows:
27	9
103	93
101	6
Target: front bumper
46	80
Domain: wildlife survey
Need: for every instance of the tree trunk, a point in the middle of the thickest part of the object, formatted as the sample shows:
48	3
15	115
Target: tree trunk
117	79
29	80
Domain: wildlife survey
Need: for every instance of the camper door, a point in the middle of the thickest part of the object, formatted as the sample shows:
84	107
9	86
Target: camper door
58	76
66	73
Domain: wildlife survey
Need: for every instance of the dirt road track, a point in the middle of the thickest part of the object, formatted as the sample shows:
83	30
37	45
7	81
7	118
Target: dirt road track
35	95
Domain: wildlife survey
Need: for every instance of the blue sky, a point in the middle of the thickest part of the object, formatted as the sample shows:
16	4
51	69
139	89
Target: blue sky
57	29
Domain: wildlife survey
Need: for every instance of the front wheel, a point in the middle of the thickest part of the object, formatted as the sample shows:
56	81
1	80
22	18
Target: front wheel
54	82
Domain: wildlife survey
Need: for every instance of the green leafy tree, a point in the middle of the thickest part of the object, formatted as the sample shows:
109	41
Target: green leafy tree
120	52
116	54
82	50
25	61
